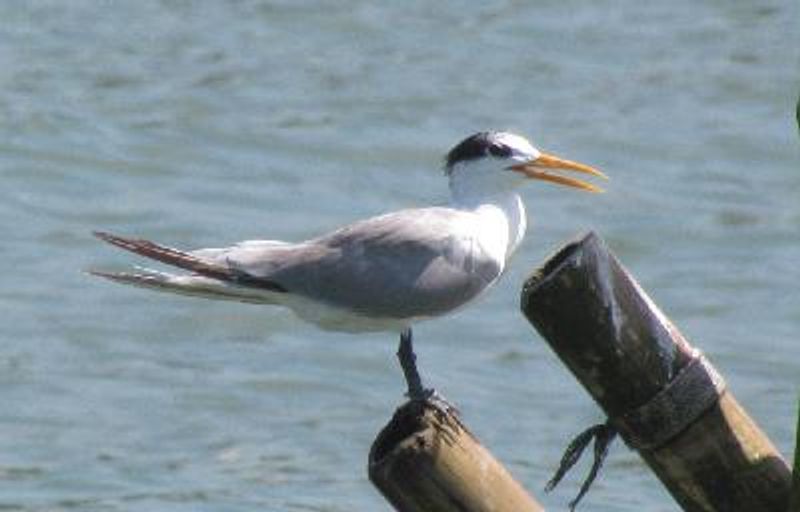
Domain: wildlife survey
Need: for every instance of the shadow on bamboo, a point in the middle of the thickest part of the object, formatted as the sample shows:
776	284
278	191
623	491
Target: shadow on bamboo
426	460
662	395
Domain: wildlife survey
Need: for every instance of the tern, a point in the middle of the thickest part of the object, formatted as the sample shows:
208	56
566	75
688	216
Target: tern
384	273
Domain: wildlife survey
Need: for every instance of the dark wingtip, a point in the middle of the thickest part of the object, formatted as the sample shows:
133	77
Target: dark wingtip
100	273
106	236
182	260
112	276
129	244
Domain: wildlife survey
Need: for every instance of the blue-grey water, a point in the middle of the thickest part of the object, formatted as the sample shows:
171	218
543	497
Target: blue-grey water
204	123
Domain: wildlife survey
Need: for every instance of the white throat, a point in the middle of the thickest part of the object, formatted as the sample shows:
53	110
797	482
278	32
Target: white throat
501	216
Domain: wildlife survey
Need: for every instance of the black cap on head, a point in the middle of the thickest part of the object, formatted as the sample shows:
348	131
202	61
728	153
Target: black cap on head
476	146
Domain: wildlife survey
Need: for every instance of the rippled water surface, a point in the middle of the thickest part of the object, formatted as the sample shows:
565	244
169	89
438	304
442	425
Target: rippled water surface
203	123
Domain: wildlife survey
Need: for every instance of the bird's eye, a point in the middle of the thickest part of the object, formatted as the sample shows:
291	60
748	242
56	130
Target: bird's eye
500	151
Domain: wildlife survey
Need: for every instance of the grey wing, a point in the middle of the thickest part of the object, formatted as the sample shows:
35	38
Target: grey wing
406	264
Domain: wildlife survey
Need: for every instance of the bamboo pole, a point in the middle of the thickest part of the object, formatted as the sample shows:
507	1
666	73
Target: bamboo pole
425	460
660	393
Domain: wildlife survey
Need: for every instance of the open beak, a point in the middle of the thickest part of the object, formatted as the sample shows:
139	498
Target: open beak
542	169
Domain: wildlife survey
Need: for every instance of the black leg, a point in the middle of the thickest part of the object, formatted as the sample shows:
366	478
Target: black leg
408	361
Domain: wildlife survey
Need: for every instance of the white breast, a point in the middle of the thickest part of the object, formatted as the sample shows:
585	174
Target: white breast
501	227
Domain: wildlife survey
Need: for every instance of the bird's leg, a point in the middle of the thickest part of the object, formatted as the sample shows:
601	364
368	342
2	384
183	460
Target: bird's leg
408	362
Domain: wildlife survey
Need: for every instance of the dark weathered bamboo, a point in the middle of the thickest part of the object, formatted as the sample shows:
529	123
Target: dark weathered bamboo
425	460
665	399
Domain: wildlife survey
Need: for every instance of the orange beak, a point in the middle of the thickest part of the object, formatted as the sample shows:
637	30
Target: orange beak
542	169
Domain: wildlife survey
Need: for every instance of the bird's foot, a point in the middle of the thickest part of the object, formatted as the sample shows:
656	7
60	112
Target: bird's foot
603	435
435	399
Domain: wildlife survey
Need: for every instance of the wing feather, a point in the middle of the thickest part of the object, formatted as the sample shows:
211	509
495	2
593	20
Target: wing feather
405	264
188	261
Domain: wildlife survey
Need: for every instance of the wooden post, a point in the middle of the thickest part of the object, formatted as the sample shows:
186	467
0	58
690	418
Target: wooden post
666	400
425	460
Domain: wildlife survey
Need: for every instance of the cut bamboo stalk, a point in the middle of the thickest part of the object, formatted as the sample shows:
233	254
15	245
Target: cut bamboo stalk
425	460
664	398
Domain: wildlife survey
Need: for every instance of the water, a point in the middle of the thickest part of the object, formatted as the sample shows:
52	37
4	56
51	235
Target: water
206	123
